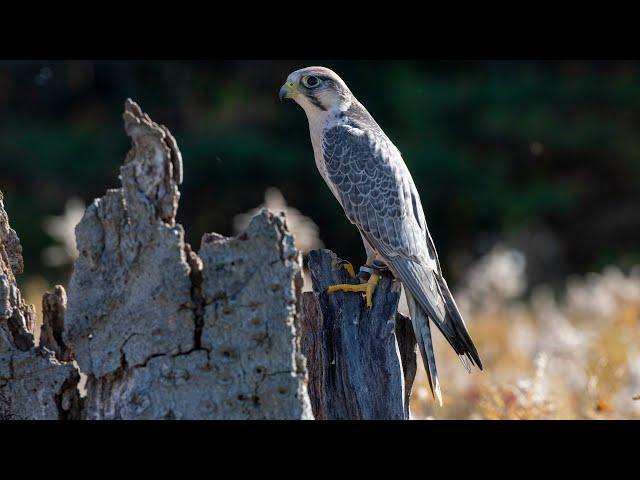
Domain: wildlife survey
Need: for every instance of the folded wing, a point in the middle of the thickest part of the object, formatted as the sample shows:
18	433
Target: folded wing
377	193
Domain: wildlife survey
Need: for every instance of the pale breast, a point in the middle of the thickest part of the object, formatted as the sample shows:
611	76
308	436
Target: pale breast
317	127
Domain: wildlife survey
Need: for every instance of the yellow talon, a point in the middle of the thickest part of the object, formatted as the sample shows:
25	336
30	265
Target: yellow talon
367	288
349	268
371	287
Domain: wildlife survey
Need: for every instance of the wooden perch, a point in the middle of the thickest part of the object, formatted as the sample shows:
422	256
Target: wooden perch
361	362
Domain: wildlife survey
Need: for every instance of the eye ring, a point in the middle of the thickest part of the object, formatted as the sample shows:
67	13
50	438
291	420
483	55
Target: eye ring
311	81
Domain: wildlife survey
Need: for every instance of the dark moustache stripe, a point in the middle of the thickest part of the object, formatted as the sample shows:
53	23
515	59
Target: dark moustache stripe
312	98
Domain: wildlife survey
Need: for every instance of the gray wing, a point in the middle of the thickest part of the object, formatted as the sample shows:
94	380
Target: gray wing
376	191
378	195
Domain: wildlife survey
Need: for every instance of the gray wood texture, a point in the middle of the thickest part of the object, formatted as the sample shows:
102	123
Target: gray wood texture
161	331
361	362
165	332
35	384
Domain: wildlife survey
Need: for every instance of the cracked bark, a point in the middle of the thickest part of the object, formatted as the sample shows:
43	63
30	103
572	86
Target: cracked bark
361	362
164	332
35	383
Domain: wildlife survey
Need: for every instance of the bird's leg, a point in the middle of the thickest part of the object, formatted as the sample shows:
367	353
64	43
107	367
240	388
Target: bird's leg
367	286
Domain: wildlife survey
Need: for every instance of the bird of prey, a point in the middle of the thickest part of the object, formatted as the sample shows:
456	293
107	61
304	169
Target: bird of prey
370	180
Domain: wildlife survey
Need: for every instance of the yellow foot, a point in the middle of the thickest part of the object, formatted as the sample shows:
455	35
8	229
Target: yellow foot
367	288
349	268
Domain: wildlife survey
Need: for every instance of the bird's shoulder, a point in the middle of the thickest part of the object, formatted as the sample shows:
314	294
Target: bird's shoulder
355	123
349	144
356	158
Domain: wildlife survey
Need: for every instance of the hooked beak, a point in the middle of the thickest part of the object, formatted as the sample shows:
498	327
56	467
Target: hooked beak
288	90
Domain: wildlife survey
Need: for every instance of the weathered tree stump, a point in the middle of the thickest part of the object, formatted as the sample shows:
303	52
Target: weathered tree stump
361	362
161	331
35	383
164	332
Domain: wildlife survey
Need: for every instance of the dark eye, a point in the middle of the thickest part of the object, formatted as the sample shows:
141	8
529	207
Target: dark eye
310	81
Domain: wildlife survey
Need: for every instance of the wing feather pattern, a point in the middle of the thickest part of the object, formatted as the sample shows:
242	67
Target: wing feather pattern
378	195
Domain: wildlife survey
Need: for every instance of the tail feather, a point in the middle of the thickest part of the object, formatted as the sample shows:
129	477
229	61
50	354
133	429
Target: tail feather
422	330
432	294
458	327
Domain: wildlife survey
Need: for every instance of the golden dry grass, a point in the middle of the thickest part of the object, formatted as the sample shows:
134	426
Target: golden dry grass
577	358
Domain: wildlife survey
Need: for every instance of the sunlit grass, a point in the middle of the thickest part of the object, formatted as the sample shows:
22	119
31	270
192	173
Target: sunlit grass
578	358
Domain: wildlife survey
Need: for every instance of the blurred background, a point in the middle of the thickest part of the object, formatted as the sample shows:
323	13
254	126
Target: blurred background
529	173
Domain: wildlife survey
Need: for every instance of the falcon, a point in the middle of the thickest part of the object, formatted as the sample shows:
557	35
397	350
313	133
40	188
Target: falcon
366	173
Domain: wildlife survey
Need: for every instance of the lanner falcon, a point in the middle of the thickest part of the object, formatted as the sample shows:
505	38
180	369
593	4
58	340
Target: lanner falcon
368	176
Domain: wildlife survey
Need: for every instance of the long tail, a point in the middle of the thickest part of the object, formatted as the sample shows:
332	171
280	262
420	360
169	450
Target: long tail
454	328
420	322
432	295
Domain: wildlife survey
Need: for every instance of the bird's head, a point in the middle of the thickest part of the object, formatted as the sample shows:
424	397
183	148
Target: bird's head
316	89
